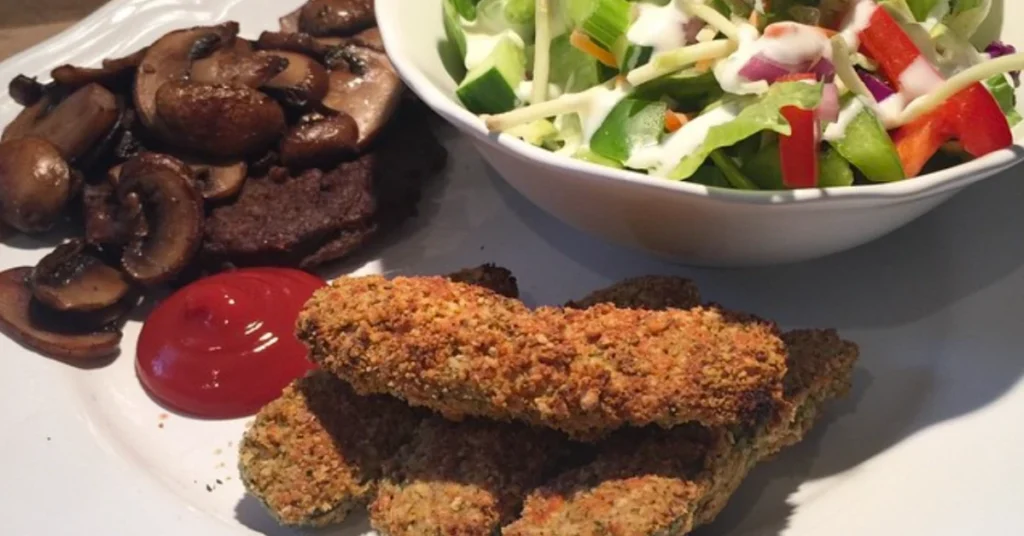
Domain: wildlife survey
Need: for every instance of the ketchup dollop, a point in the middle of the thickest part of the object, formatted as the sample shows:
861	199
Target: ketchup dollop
224	346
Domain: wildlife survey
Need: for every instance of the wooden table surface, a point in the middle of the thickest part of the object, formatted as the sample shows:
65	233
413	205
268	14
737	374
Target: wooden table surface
24	23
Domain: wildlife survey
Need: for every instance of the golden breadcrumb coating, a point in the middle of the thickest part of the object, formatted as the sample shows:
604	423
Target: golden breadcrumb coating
314	454
667	482
463	478
463	351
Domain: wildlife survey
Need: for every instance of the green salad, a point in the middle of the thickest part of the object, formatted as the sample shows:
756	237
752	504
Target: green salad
741	94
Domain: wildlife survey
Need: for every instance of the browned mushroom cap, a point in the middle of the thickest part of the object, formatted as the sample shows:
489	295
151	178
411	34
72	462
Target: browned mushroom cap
321	143
336	17
237	65
74	278
290	22
74	125
28	322
369	38
100	215
366	86
35	184
303	43
217	181
217	120
169	59
304	82
25	91
173	216
110	73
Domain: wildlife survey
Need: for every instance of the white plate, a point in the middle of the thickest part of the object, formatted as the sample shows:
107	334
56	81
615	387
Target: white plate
928	443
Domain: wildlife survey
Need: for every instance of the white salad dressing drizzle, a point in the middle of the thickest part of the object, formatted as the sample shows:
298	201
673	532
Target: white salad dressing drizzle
890	110
660	27
919	78
525	91
727	71
800	45
858	20
663	158
600	104
837	131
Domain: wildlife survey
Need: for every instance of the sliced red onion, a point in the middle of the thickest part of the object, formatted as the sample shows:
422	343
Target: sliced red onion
760	67
824	70
998	49
828	109
692	28
878	88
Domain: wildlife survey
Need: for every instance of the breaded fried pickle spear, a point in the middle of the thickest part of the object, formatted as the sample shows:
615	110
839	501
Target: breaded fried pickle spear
653	292
667	482
466	478
463	351
315	453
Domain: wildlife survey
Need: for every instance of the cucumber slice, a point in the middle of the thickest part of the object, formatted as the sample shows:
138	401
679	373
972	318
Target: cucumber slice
869	148
632	123
490	88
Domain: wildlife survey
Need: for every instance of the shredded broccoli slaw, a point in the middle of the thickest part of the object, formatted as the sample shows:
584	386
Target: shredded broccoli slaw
741	94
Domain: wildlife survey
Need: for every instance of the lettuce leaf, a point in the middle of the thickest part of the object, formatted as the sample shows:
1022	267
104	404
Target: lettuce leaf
758	114
966	16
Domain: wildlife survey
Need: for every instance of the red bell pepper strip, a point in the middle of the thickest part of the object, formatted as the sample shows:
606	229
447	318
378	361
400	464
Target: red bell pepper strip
798	152
973	116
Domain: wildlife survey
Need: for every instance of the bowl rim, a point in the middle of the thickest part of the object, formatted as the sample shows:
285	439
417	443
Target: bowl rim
954	178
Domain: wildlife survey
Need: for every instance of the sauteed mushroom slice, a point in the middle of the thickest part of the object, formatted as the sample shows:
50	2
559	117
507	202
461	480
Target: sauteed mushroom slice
336	17
290	22
217	180
322	143
217	120
237	64
73	277
366	86
35	184
25	91
369	38
100	211
169	230
113	72
300	42
170	59
74	124
57	335
303	82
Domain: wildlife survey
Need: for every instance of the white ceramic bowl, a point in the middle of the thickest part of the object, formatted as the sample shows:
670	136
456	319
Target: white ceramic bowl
685	222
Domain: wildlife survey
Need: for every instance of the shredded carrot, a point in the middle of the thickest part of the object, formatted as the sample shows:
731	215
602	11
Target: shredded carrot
755	18
581	41
704	66
780	29
674	121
